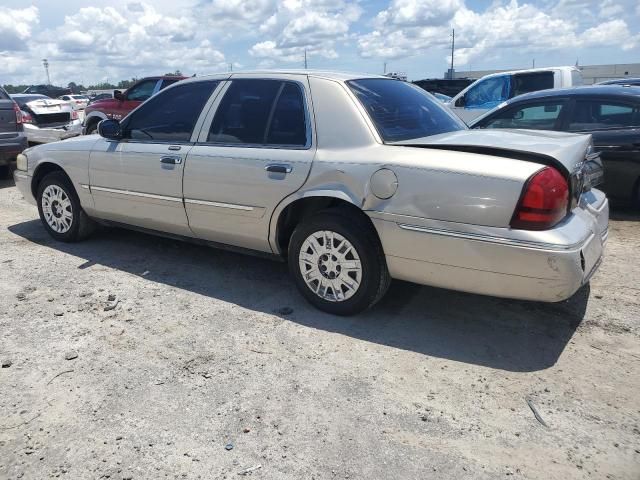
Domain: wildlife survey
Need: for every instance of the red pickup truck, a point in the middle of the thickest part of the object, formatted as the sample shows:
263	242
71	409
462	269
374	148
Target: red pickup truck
122	103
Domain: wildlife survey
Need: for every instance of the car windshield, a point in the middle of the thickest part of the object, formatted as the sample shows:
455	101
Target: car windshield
402	111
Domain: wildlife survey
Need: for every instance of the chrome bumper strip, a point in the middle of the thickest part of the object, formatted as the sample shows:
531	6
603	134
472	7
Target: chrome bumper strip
488	238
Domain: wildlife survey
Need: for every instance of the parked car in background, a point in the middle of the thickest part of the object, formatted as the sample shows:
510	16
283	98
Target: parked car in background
491	90
375	179
122	103
441	96
100	96
47	120
12	137
48	90
78	102
610	114
622	81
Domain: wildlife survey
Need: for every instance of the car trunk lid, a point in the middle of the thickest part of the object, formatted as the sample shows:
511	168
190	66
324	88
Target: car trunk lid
8	124
571	154
50	113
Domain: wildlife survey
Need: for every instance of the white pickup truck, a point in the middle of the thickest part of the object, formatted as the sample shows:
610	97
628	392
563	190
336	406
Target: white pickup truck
491	90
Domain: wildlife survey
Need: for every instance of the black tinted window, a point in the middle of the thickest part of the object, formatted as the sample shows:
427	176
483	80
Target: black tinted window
401	111
288	126
538	116
531	82
171	115
168	81
602	114
244	112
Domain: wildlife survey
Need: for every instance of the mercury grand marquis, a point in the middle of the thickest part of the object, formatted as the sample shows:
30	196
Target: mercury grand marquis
354	179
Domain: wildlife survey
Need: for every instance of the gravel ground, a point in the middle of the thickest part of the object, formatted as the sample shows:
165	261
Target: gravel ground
197	363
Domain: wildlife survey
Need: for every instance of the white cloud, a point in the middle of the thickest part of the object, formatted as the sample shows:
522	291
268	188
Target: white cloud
412	27
15	27
305	25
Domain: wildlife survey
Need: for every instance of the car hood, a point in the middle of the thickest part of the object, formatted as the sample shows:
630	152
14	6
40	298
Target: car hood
566	149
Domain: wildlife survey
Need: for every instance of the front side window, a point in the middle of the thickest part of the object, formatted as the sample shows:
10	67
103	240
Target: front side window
260	112
168	81
142	91
488	93
171	115
601	115
401	111
540	116
531	82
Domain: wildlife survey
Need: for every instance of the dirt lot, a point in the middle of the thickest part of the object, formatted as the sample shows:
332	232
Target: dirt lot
210	363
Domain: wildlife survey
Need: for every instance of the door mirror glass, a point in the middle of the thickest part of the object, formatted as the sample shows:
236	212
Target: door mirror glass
110	129
118	95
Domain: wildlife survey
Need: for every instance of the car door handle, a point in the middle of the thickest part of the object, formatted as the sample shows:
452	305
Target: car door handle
278	168
171	160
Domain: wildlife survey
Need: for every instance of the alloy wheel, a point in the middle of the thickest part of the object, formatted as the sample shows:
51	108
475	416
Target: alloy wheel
57	209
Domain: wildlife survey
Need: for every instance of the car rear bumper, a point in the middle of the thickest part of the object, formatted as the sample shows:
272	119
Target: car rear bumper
547	266
36	134
11	147
23	183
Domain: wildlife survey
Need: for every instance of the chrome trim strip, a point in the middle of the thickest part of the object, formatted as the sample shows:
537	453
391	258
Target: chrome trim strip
488	238
218	204
136	194
85	186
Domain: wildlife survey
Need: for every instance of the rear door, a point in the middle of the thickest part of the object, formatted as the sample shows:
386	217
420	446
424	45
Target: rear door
255	148
8	125
614	125
138	180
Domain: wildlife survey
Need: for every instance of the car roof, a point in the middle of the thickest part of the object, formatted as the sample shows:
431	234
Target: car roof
582	91
31	95
620	81
329	74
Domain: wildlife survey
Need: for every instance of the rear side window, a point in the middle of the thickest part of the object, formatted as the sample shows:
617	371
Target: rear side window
171	115
540	116
260	112
531	82
602	115
401	111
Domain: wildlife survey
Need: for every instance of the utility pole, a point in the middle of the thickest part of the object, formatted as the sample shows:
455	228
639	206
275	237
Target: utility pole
45	62
453	46
231	67
385	68
305	58
533	64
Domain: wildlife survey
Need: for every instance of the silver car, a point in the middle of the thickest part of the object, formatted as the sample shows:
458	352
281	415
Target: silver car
354	179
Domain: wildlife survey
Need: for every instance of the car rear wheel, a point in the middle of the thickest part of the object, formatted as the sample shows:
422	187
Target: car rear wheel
60	210
92	127
337	262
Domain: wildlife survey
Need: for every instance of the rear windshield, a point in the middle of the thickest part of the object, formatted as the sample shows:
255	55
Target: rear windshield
401	111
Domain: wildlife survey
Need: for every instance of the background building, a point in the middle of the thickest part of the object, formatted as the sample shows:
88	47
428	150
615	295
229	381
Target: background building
590	73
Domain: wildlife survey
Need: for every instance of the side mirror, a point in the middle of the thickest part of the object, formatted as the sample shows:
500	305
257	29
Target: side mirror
461	101
110	129
118	95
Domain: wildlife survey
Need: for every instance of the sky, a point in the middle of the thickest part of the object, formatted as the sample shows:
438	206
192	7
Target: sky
91	42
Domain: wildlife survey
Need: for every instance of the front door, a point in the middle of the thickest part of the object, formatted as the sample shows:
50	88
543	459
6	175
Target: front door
138	180
256	150
133	97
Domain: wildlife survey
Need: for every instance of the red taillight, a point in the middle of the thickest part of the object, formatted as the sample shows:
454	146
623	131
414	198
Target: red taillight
74	115
26	117
16	109
544	201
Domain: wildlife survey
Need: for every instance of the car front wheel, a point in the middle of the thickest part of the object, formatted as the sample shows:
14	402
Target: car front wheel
60	210
337	262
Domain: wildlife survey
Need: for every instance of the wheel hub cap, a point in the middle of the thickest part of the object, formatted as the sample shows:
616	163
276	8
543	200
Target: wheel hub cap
57	209
330	266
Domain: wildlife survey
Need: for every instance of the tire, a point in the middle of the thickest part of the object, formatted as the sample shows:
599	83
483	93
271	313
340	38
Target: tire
60	210
92	127
355	291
